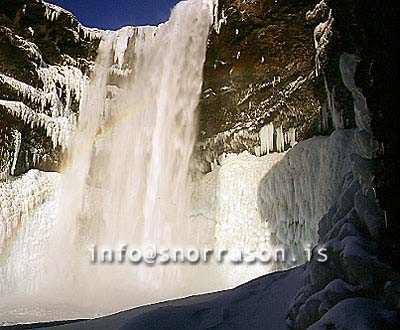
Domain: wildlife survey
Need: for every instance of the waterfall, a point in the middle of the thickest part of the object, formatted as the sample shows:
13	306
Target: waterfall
125	178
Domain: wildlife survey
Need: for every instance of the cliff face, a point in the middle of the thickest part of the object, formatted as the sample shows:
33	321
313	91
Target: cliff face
45	60
260	69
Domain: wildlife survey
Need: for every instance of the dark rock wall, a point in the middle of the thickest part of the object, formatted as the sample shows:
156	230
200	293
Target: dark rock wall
368	29
259	69
260	42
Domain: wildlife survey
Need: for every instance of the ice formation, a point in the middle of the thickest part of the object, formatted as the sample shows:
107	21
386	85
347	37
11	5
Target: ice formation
245	202
354	282
227	196
20	199
48	107
267	139
218	21
52	12
282	139
291	197
58	129
348	66
322	33
17	145
71	81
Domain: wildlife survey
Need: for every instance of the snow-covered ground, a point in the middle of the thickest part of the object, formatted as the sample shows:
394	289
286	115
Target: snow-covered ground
260	304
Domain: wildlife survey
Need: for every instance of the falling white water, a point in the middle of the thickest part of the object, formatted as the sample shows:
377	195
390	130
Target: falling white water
125	179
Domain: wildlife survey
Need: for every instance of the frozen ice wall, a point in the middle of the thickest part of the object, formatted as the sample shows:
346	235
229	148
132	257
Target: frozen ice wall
298	191
226	198
27	214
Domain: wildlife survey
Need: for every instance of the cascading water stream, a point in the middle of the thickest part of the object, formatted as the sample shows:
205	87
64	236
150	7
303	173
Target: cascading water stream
125	179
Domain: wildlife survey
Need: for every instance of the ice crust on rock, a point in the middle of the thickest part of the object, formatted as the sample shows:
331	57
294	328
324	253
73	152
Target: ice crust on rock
72	81
348	66
291	197
20	197
58	129
52	106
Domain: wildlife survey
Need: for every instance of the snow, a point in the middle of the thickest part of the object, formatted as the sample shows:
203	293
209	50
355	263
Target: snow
259	304
350	230
358	314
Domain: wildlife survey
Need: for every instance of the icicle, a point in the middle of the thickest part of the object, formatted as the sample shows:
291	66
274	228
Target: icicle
218	21
267	139
280	140
17	145
336	115
290	137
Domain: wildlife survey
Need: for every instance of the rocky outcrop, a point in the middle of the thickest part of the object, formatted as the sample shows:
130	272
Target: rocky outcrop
260	69
45	59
